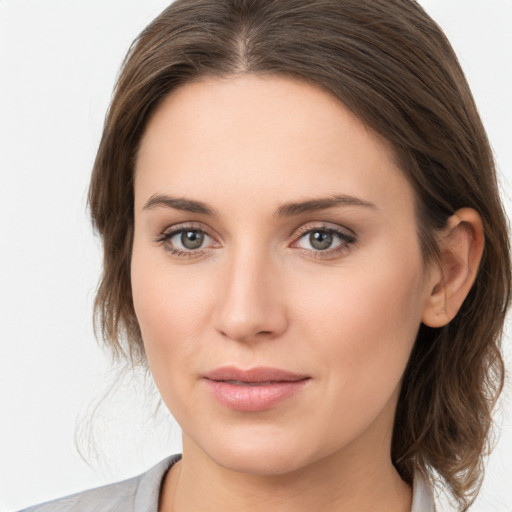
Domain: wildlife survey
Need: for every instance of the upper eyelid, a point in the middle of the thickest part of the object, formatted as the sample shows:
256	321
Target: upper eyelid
182	226
344	237
347	237
171	231
326	226
295	234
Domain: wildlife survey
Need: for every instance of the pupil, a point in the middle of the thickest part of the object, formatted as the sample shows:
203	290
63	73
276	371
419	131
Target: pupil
320	240
192	239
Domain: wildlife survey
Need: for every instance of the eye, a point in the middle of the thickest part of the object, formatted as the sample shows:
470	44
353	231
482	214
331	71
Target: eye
186	241
189	239
325	239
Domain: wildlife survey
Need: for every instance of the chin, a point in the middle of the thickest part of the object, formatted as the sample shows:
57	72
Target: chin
260	462
276	453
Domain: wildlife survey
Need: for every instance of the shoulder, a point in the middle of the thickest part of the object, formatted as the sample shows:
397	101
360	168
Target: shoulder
108	498
422	498
138	494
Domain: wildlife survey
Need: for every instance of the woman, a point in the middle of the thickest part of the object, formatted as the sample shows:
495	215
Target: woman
304	242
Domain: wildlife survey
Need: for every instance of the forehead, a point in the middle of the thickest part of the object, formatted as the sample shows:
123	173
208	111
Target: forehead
248	135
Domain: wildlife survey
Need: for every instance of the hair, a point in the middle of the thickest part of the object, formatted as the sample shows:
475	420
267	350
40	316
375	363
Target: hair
391	65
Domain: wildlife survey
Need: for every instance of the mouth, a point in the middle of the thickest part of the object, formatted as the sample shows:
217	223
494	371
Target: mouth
257	375
253	390
242	383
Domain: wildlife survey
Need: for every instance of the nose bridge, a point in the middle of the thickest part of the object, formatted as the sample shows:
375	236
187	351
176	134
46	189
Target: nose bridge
250	302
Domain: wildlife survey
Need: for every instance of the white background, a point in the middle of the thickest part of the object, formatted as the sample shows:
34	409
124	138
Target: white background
58	62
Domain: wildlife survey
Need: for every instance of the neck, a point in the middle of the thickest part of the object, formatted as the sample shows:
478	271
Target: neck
337	483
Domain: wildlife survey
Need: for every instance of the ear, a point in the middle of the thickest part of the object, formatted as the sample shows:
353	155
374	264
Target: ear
461	246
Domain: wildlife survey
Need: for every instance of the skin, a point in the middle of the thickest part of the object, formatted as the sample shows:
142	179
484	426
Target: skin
257	293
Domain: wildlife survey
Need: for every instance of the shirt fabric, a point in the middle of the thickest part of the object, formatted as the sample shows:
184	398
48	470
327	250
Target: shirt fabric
141	494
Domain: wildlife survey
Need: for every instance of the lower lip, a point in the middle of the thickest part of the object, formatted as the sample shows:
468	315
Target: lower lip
253	398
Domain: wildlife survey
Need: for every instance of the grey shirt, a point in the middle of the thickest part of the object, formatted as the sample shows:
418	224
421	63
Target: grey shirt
141	493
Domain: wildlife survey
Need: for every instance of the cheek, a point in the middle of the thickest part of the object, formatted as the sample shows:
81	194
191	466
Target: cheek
365	323
170	308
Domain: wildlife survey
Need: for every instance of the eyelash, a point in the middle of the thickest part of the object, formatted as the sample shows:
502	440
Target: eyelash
345	238
166	236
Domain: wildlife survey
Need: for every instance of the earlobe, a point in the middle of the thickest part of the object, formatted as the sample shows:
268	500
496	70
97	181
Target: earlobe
461	246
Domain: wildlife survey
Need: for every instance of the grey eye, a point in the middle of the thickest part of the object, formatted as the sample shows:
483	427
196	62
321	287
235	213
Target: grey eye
320	240
192	239
188	239
323	239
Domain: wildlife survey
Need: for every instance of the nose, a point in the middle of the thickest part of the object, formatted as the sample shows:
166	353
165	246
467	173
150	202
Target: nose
250	302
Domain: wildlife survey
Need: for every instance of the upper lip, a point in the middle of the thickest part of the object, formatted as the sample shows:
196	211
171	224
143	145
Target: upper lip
257	374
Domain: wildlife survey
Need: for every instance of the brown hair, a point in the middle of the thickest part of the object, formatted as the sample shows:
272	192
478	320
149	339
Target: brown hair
390	63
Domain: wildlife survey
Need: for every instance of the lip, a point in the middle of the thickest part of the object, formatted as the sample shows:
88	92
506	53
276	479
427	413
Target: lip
255	389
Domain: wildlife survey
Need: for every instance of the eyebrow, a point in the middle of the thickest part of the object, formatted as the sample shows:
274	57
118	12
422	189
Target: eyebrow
285	210
179	203
313	205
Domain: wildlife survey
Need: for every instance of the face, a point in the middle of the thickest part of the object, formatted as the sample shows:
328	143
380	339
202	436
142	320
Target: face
276	273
